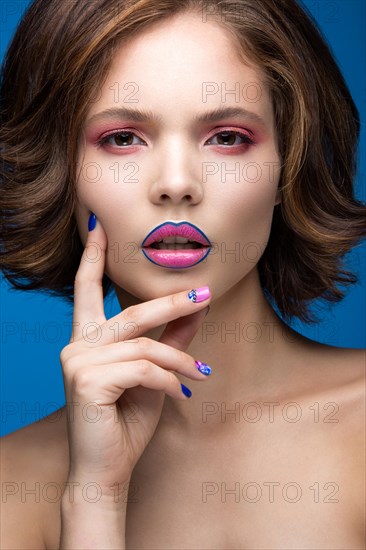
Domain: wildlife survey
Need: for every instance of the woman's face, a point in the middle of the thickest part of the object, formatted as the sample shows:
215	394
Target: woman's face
178	164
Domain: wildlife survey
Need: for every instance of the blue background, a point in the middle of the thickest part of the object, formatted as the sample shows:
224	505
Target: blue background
35	327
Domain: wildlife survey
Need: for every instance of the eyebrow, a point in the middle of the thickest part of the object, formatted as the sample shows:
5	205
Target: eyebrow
141	115
229	112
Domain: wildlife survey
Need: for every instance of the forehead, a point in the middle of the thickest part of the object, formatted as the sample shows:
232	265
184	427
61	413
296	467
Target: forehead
182	61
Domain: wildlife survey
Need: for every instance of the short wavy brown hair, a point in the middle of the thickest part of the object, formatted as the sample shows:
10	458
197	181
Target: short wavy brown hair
61	53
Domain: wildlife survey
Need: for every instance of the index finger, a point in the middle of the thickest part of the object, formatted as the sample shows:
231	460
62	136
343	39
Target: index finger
88	290
135	320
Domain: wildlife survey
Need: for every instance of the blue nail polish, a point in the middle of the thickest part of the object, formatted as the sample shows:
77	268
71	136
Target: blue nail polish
203	367
186	390
92	222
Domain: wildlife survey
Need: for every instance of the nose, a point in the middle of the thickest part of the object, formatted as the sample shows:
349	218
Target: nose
177	180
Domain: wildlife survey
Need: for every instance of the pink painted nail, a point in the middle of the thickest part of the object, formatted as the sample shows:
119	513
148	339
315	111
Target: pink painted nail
199	294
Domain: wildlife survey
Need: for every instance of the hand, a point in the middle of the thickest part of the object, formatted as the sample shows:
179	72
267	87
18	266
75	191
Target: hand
116	384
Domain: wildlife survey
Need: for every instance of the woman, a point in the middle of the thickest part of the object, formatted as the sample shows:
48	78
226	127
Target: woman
149	143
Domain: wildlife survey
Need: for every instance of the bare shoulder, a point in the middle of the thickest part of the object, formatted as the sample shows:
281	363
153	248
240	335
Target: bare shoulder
348	366
335	379
34	465
354	359
350	386
339	372
352	428
332	383
329	368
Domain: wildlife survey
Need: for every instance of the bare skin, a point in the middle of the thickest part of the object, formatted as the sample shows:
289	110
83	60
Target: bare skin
308	398
177	491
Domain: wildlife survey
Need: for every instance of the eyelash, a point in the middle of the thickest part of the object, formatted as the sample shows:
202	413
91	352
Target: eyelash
247	140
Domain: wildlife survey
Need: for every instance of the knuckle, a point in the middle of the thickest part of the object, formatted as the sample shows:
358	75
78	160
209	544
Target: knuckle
144	367
183	357
175	300
85	283
145	344
79	280
131	314
70	362
172	382
82	381
65	354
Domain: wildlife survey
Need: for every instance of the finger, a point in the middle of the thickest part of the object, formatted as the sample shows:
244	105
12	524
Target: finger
180	332
165	356
136	320
88	290
105	386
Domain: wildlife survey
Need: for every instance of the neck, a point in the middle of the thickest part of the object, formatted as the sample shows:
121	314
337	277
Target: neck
248	347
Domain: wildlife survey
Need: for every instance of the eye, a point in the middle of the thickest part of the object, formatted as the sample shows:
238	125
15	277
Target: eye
125	139
122	139
230	137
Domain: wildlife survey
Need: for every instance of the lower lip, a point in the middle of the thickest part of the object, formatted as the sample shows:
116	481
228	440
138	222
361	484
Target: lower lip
176	258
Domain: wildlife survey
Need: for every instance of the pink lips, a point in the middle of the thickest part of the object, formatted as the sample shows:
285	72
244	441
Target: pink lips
169	229
176	258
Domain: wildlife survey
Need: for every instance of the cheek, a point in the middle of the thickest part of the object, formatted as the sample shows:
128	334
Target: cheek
249	203
252	191
93	192
96	191
105	184
112	201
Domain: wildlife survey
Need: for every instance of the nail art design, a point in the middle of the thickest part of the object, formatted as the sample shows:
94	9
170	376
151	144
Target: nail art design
186	390
199	294
203	367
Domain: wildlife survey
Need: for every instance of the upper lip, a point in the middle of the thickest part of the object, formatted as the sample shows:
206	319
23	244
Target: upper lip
171	229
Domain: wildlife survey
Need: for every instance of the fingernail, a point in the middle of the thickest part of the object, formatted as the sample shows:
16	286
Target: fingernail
199	294
92	222
203	367
186	390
